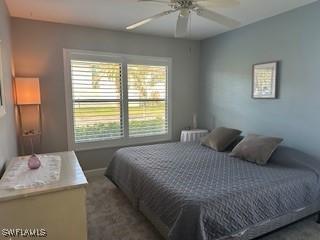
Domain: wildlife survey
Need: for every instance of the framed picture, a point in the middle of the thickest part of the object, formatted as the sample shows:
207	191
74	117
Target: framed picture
2	107
265	77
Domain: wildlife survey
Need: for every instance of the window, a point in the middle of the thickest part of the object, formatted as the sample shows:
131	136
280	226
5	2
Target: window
96	96
116	100
147	99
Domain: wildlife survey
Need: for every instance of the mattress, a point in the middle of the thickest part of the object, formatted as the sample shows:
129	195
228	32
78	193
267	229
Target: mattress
198	193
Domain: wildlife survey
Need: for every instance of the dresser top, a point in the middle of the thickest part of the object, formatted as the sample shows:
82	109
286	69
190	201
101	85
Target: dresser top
71	176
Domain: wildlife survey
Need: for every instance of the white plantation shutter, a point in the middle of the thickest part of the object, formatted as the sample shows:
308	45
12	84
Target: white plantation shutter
96	96
147	100
115	99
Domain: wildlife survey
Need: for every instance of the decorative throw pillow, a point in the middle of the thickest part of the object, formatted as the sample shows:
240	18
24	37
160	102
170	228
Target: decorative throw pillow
220	138
256	148
234	143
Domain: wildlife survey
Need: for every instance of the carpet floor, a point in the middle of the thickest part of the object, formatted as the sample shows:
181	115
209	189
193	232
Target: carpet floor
111	217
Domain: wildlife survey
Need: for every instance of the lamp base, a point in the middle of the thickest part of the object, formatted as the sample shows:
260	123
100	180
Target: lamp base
30	128
30	144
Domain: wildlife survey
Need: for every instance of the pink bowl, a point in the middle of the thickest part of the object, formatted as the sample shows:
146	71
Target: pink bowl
34	162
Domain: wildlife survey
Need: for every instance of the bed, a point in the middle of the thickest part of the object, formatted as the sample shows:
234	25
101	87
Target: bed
189	191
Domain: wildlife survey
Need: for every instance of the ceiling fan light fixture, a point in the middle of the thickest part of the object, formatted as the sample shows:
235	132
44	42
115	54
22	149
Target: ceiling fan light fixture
184	12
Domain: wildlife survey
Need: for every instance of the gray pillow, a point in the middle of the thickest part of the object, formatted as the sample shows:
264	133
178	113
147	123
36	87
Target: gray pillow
256	148
220	138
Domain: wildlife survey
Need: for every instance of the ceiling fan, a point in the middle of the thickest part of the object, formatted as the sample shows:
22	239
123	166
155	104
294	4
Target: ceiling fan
185	7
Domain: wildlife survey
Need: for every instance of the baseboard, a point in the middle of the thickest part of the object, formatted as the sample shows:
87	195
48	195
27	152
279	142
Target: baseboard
95	172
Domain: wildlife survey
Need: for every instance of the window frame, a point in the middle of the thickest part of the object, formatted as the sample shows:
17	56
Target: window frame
124	60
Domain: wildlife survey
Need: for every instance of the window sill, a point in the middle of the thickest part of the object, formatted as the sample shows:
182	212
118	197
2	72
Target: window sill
115	143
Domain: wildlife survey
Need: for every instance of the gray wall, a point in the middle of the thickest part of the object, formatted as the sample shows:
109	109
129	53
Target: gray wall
8	147
226	60
38	52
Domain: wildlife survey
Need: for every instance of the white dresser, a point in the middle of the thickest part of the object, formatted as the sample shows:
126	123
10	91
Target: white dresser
58	209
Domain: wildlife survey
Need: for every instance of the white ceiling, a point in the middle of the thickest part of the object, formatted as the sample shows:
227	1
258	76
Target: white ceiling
117	14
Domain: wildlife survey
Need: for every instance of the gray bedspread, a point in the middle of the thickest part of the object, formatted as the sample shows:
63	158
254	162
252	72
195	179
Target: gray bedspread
202	194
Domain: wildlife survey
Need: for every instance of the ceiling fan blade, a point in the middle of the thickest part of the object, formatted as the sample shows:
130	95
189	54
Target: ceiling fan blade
216	17
149	19
166	2
218	3
182	24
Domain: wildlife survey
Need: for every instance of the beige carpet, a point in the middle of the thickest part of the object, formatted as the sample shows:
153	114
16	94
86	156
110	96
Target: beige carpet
111	217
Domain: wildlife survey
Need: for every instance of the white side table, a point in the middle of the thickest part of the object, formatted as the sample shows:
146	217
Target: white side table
193	135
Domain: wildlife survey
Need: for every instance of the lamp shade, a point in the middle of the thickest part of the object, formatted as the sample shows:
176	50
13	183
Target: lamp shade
27	91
